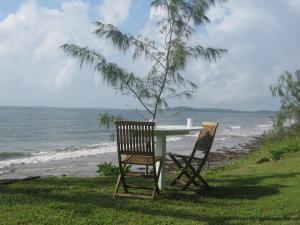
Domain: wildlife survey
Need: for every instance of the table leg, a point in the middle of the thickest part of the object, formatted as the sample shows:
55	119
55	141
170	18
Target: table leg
161	151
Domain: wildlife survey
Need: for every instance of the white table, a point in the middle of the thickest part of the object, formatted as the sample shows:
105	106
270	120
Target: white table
161	132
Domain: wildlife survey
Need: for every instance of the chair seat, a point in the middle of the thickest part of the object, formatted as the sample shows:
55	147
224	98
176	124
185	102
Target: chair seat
140	159
184	156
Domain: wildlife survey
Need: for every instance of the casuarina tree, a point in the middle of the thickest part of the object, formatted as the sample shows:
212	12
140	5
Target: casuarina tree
288	90
168	57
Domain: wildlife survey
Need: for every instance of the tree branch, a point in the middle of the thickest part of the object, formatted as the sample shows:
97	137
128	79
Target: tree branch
167	64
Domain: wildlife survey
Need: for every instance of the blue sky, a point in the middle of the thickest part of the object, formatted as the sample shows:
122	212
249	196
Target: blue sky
262	38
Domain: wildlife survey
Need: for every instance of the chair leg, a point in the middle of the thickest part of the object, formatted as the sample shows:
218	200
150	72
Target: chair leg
189	182
180	166
182	172
204	182
123	178
196	174
117	186
157	176
154	192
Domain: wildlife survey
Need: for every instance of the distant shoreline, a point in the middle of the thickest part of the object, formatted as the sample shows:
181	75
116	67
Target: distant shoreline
172	109
218	110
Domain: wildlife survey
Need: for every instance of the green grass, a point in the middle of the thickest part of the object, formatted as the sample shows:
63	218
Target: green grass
243	193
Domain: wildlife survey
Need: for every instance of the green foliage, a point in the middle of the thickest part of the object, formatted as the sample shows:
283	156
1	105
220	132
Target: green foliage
288	90
168	57
276	147
107	119
276	154
108	169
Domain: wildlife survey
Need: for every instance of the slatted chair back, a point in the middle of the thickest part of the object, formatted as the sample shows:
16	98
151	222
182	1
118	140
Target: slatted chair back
206	137
135	138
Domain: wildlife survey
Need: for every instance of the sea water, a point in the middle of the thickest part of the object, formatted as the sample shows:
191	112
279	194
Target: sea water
41	134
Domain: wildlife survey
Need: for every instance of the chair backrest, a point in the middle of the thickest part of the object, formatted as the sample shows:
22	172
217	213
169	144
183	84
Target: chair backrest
135	138
206	136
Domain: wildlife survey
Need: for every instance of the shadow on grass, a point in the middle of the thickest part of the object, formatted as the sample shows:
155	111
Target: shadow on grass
228	192
251	180
82	196
235	187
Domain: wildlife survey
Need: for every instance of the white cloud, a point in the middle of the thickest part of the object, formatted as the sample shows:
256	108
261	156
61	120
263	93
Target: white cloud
261	36
64	75
294	4
32	62
262	42
32	37
114	12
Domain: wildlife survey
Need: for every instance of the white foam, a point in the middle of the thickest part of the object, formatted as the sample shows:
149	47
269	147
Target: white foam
192	135
79	151
265	125
222	138
235	127
4	172
172	139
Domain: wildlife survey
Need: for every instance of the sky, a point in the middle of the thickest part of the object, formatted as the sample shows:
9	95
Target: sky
262	39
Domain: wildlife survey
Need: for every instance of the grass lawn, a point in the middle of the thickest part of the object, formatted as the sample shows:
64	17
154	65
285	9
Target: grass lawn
243	193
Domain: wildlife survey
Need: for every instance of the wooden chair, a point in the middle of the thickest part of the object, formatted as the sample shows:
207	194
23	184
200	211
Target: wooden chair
191	166
135	144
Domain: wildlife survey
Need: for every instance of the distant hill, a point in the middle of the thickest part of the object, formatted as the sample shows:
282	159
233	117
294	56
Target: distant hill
183	108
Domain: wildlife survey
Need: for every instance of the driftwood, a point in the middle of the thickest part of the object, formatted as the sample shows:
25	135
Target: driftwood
9	181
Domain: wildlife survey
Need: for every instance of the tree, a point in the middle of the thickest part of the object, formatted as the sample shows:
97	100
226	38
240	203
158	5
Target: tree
107	119
288	90
169	59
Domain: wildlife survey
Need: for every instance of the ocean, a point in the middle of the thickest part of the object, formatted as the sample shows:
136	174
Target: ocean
31	135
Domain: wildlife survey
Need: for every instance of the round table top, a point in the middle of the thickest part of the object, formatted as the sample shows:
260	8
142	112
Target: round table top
166	130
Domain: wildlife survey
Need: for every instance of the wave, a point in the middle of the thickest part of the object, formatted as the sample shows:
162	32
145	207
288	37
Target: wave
192	135
172	139
3	172
265	125
67	153
9	155
222	138
16	158
235	127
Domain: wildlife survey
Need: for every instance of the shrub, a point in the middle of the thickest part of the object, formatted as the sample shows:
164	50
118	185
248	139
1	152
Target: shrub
283	146
108	169
276	154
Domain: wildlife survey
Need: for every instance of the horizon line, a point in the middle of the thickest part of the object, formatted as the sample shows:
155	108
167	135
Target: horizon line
111	108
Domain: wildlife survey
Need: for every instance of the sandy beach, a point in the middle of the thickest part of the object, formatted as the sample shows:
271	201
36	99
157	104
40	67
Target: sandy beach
87	166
